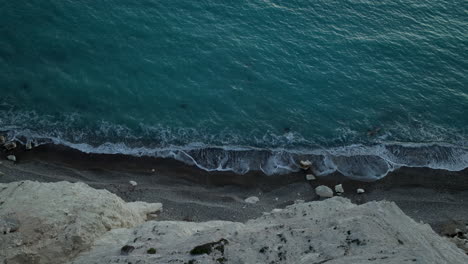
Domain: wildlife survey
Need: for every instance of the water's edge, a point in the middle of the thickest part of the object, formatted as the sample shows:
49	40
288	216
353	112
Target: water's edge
358	161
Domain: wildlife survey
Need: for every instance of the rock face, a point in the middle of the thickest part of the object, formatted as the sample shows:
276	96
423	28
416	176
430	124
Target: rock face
331	231
324	191
53	222
252	200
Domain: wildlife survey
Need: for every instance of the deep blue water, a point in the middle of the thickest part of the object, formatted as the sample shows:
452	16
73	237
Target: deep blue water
240	85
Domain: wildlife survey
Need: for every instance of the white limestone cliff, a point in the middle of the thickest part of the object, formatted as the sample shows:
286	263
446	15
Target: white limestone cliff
53	222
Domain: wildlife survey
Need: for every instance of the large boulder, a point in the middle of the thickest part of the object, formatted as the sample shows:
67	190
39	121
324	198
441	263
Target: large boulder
53	222
333	231
324	191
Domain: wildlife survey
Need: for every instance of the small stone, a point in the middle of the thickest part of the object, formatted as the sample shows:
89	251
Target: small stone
277	210
29	145
2	139
133	183
10	145
339	189
305	164
126	250
11	157
310	177
324	191
252	200
153	170
360	191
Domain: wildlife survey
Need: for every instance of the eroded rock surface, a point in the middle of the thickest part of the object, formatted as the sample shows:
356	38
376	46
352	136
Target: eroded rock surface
53	222
331	231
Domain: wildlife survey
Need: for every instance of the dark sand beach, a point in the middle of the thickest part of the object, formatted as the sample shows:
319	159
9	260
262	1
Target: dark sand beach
436	197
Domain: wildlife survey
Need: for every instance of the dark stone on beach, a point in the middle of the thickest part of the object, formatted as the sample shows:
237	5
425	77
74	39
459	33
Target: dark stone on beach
10	145
151	251
125	250
208	247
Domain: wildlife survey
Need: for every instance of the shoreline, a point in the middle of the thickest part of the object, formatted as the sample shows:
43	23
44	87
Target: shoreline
437	197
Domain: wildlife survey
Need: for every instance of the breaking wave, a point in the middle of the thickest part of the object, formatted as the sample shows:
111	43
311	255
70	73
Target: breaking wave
358	161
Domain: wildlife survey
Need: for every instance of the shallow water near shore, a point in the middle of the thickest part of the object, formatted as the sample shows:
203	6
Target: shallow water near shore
357	87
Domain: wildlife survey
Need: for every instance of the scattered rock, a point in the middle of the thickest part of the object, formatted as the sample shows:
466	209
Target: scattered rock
2	139
11	157
310	177
305	164
133	183
339	189
360	191
126	250
8	225
324	191
10	145
252	200
29	145
208	247
151	251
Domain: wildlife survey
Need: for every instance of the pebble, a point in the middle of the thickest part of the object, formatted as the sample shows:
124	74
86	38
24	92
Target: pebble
29	146
324	191
339	189
360	191
11	157
252	200
310	177
133	183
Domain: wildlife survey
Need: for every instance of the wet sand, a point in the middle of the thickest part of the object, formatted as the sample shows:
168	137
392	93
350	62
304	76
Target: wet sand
436	197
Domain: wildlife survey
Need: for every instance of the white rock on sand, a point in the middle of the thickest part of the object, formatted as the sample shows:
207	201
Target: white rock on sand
360	191
339	188
252	200
305	164
324	191
331	231
310	177
56	221
28	145
133	183
11	157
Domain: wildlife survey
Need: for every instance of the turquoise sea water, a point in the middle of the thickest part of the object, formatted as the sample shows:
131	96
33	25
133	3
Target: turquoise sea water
242	85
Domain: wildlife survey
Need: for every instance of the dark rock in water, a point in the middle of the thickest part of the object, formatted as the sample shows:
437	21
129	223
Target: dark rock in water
25	86
183	106
287	129
125	250
10	145
151	251
208	247
373	132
